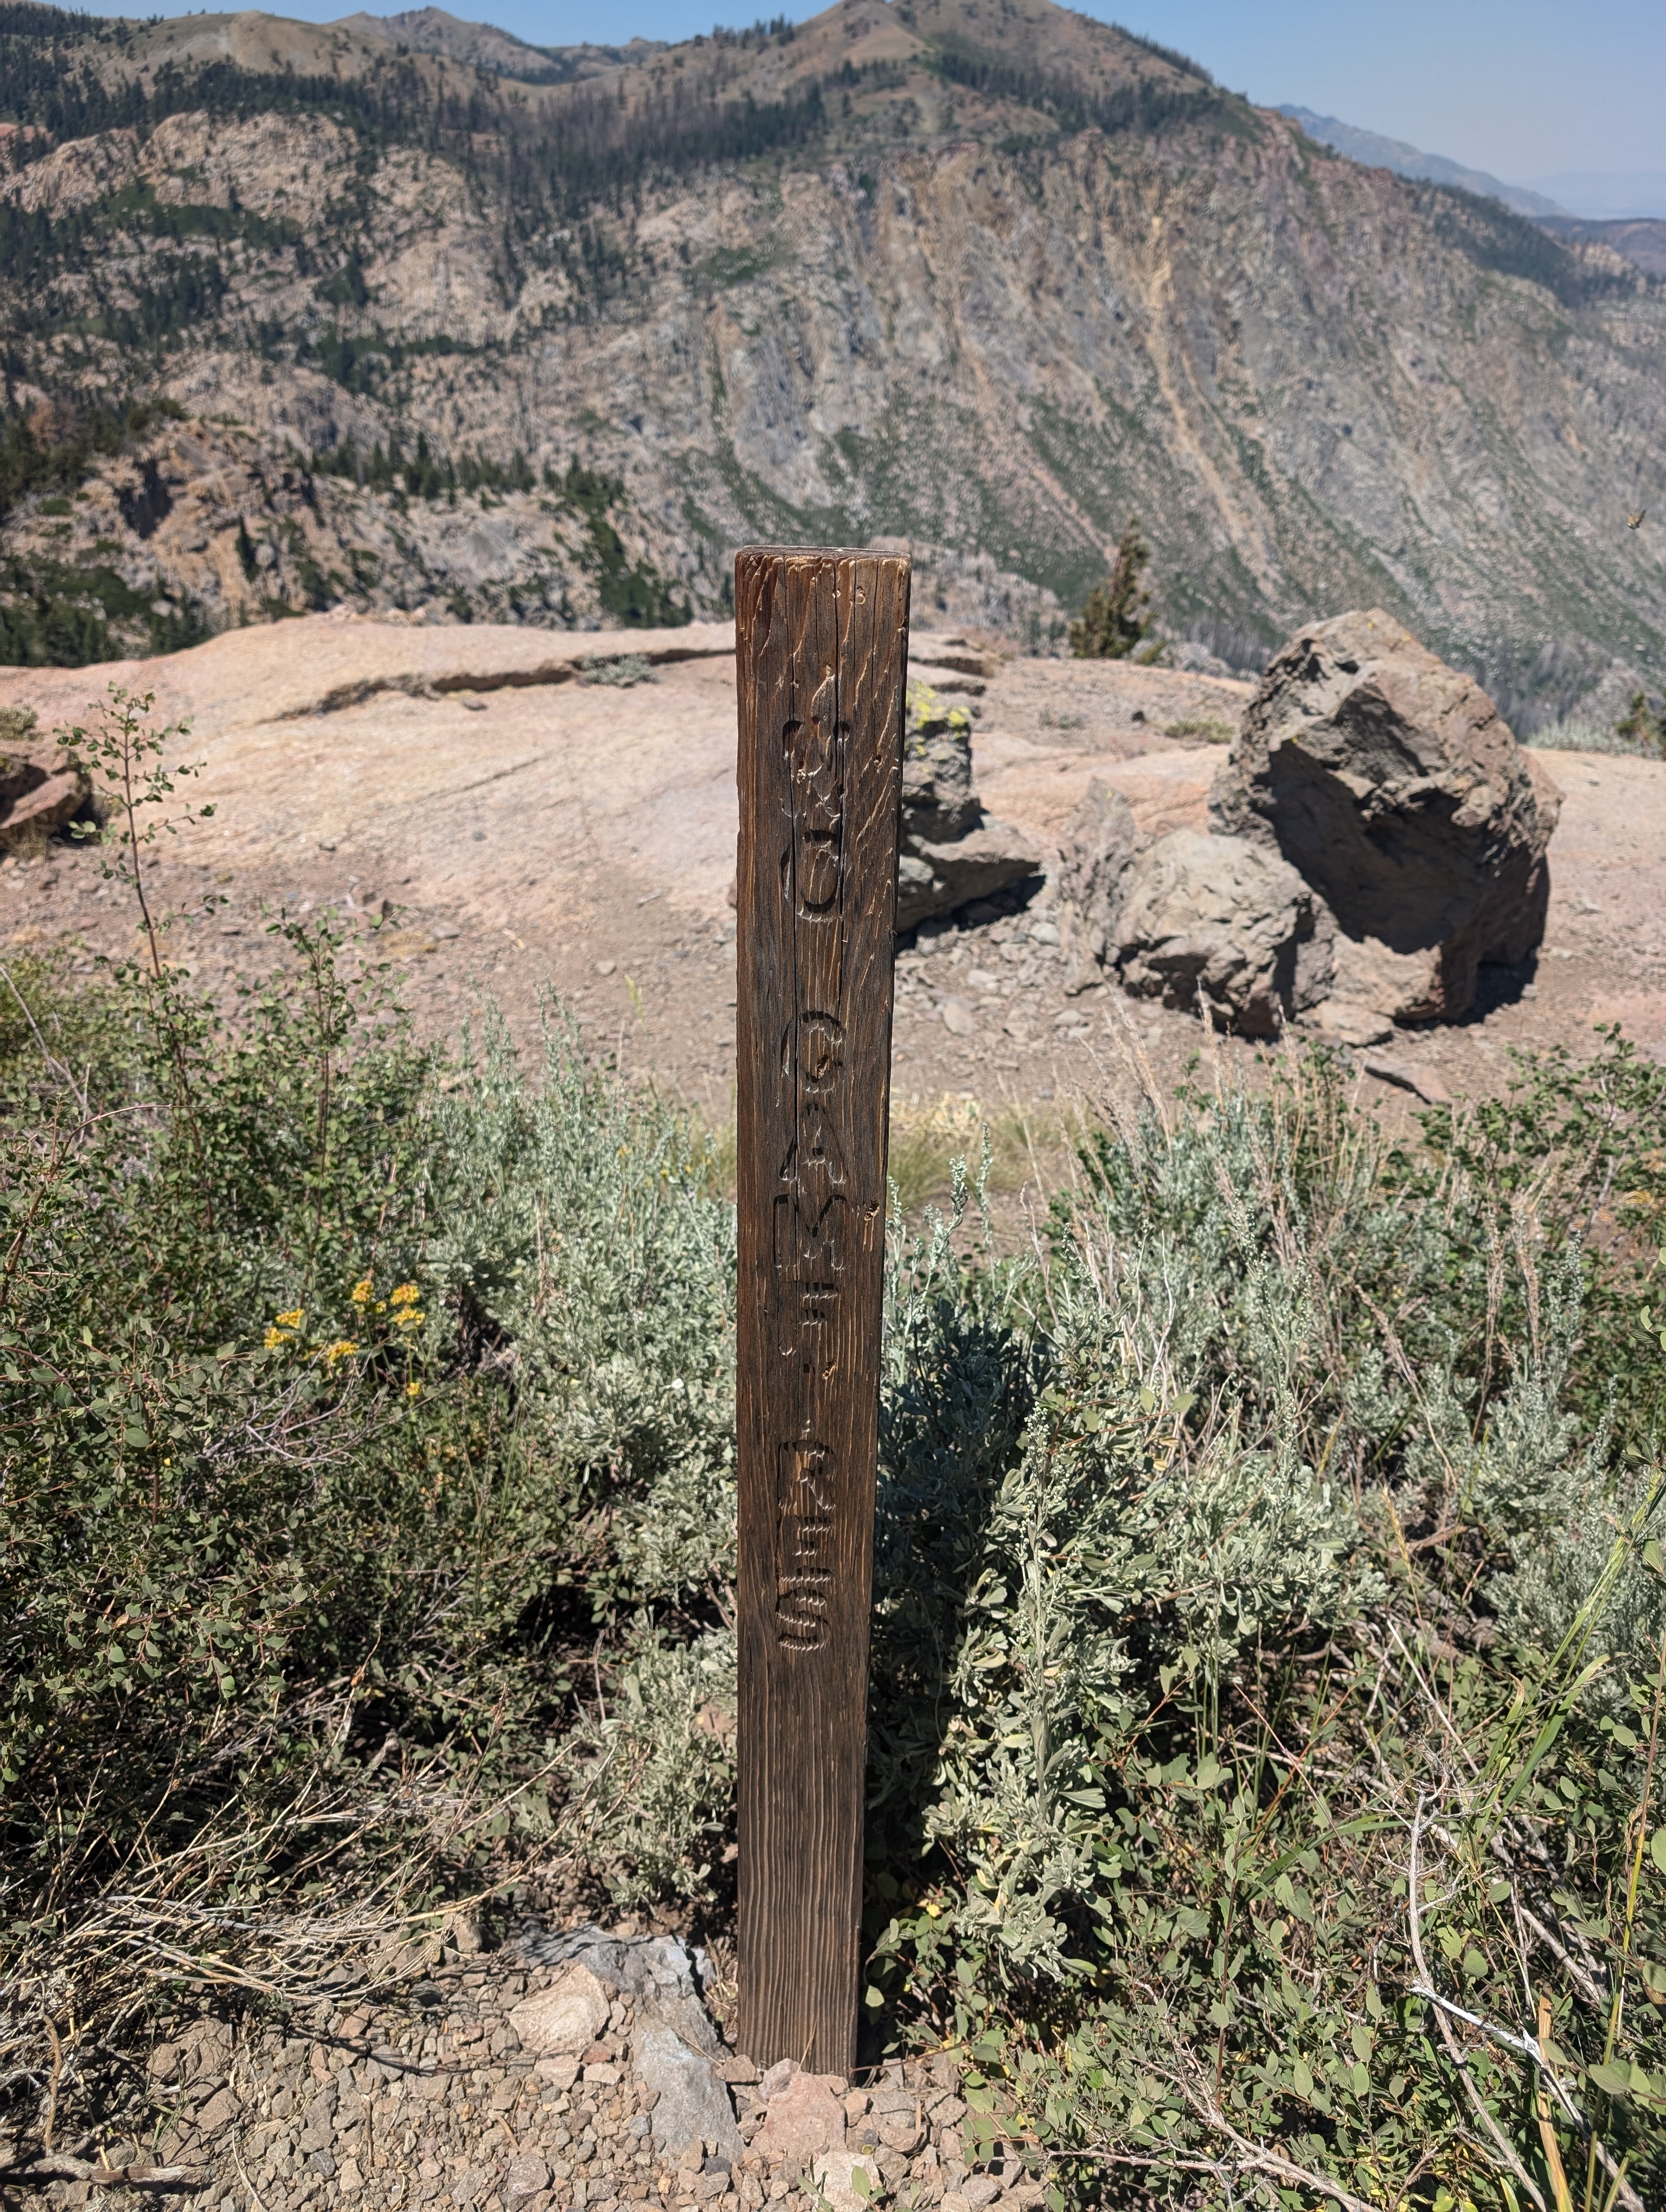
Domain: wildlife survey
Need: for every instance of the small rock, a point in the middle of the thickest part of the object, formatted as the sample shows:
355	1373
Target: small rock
805	2119
1344	1021
164	2062
559	2073
221	2109
958	1018
981	2190
606	967
691	2105
528	2174
901	2131
1420	1081
835	2176
444	929
564	2019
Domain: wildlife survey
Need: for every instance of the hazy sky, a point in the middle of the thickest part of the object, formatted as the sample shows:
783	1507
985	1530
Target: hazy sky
1522	87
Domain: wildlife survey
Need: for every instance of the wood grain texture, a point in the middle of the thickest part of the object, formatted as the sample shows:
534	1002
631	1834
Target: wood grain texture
821	643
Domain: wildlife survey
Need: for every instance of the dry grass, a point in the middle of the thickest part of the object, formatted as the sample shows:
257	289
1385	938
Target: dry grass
1032	1148
1028	1147
1209	728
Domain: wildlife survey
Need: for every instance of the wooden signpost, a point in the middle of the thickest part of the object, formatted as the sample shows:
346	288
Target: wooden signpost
821	647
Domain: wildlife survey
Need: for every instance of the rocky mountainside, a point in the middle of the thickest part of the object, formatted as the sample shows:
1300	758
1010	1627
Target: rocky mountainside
296	316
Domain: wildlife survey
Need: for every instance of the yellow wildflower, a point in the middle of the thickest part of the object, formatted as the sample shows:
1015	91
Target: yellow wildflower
413	1389
281	1331
343	1348
361	1292
406	1295
412	1317
291	1320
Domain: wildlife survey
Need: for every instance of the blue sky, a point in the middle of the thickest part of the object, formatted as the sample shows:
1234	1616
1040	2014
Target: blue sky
1522	88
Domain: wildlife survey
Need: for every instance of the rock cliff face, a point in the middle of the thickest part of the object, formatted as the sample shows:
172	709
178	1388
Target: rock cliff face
984	279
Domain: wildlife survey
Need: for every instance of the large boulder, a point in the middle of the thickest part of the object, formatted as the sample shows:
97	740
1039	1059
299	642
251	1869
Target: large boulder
1396	789
952	853
1222	925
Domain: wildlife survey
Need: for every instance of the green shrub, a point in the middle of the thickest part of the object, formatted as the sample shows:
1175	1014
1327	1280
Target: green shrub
1269	1609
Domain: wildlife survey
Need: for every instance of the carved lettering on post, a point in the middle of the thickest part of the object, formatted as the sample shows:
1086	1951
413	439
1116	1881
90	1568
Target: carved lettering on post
821	644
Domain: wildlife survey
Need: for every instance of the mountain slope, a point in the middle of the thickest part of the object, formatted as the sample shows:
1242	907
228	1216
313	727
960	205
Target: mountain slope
1641	240
979	274
1373	151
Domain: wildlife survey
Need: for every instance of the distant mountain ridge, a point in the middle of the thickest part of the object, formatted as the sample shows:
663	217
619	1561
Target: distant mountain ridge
1610	196
393	316
1374	151
482	46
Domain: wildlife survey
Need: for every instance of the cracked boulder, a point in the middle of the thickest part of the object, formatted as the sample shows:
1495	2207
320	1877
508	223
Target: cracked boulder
1394	787
1221	926
1096	849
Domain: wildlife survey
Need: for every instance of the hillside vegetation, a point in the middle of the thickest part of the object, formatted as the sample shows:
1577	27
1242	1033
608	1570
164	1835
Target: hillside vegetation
298	315
1270	1613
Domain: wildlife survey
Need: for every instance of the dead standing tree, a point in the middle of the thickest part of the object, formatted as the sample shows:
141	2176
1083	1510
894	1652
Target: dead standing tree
821	643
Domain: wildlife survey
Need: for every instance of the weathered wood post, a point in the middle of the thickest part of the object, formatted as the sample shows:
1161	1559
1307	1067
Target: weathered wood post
821	647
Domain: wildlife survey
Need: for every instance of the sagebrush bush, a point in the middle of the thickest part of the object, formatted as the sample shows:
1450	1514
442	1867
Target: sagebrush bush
1268	1610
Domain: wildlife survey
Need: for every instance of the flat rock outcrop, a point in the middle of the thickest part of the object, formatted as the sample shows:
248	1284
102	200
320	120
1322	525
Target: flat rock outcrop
1394	787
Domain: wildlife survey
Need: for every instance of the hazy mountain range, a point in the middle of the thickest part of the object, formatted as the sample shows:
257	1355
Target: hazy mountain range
1377	152
1609	195
404	313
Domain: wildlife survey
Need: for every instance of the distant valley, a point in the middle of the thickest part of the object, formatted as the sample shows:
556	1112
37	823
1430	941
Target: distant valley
405	315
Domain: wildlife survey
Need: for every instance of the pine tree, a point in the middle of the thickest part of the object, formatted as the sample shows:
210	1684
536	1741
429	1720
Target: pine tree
1643	724
1117	617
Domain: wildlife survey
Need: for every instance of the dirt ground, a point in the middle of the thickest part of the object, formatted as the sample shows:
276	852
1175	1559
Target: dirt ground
526	828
